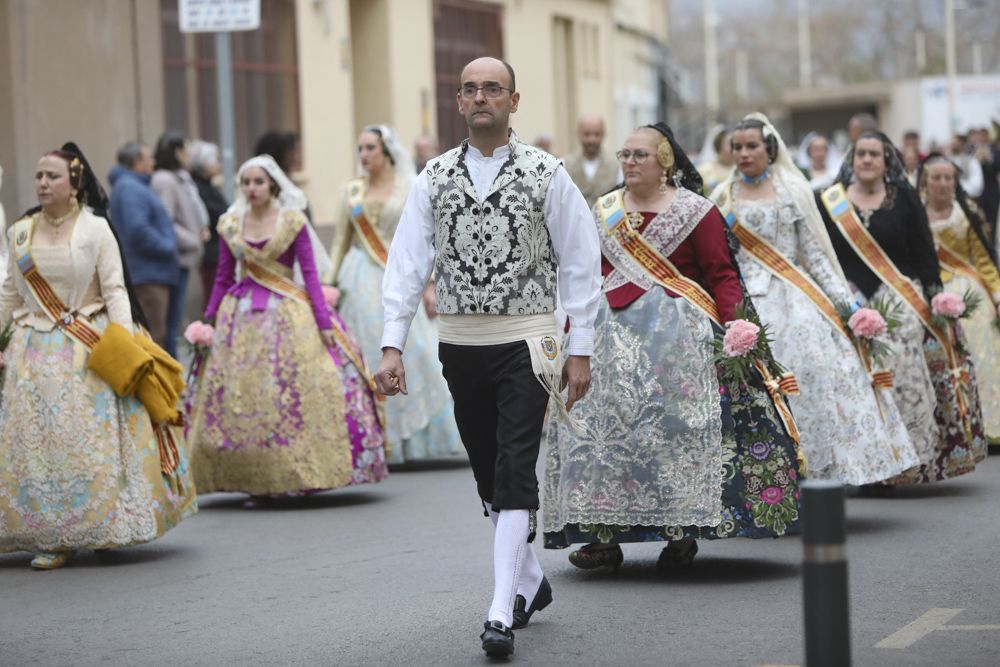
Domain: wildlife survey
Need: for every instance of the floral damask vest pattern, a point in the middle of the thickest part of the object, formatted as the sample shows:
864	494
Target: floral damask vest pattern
493	257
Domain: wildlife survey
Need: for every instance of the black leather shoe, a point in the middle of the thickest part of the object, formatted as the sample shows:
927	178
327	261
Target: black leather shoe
679	553
593	556
543	597
498	639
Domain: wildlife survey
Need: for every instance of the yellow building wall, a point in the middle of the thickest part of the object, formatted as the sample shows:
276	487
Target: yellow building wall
86	77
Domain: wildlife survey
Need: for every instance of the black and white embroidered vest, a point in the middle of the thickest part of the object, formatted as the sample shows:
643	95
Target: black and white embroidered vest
493	257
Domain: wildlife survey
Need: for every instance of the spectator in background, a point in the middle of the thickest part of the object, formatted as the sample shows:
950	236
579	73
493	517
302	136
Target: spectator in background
819	159
284	147
715	161
860	122
204	167
146	233
544	142
911	163
989	161
970	171
425	148
174	186
594	171
911	139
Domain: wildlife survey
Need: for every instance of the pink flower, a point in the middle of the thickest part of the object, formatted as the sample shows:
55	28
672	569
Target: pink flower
199	333
331	295
867	323
772	495
948	304
740	338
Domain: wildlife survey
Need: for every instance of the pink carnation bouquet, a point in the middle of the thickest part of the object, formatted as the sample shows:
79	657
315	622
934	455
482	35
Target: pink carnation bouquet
948	304
199	336
949	307
867	323
740	337
331	295
741	346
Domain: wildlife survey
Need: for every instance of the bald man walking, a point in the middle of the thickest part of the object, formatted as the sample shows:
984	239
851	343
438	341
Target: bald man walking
500	223
593	170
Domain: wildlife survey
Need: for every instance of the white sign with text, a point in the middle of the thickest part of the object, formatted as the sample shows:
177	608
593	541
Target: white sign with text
219	15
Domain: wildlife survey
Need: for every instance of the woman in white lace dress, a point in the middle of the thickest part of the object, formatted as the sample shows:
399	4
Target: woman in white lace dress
851	430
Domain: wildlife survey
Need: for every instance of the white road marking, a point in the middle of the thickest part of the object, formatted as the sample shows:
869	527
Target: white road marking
935	619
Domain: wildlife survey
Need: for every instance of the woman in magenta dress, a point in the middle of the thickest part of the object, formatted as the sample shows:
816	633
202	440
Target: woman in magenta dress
283	402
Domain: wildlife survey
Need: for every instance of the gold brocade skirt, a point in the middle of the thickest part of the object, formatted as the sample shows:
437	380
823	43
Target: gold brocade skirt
268	415
79	465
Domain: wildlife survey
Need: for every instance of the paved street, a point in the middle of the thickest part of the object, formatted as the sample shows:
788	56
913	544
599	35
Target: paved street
399	573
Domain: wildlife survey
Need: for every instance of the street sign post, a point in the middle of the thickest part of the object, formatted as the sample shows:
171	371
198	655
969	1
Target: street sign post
222	17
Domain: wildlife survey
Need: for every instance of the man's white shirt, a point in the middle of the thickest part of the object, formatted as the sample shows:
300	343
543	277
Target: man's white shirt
574	241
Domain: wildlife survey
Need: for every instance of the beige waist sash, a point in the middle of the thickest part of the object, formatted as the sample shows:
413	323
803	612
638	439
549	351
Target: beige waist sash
493	329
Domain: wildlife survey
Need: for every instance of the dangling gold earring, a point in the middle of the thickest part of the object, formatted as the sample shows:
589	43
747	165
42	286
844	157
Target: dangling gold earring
663	182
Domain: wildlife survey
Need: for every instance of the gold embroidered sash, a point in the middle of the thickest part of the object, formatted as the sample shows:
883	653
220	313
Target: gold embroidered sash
663	272
76	328
867	248
954	262
371	238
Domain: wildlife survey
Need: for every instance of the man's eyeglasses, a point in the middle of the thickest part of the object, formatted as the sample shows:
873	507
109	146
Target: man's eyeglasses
625	155
491	90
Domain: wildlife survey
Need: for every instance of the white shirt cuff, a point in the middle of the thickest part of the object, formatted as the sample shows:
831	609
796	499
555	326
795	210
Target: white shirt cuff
581	342
394	335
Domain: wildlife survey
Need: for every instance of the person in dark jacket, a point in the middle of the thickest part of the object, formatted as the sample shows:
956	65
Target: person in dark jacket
204	166
147	234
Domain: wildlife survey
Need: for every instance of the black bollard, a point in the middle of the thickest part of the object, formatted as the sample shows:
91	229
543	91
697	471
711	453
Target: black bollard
824	575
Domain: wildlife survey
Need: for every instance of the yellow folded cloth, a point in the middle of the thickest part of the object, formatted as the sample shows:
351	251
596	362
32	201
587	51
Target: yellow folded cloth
168	369
160	391
159	399
121	363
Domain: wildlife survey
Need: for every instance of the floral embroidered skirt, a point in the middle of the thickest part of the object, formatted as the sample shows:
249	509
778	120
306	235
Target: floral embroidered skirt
982	338
420	425
80	465
275	412
946	431
849	433
664	452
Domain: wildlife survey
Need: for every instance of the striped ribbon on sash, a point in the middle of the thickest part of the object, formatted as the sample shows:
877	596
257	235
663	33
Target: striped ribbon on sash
371	238
867	248
77	328
662	271
954	262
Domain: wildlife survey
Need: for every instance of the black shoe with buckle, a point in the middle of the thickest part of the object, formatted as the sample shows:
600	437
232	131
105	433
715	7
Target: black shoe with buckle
543	597
592	556
498	639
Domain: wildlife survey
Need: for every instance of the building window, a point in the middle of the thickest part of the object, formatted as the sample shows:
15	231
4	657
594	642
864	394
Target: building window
265	77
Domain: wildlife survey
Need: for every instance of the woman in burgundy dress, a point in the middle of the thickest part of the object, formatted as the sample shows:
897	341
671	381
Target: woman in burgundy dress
665	450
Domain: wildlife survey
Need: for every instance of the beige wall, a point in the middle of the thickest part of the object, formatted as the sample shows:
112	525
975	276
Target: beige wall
86	77
326	108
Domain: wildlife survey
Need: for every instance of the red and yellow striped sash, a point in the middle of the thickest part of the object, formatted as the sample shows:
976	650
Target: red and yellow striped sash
67	321
954	262
867	248
663	272
369	235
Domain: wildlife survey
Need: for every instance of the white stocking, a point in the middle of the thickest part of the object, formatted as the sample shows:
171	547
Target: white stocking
510	543
531	571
